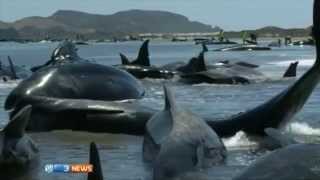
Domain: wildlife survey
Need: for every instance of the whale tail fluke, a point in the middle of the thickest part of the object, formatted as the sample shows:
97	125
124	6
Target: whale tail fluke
12	69
94	160
292	70
143	57
204	48
124	59
17	125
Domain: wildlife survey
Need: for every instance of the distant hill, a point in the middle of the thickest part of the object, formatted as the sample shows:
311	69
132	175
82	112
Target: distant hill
4	25
272	31
71	24
65	23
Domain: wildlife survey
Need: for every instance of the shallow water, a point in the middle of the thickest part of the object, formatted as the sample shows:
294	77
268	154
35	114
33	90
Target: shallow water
121	154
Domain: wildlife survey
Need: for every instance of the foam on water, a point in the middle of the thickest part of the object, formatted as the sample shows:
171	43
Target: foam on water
213	85
302	62
239	140
9	84
303	129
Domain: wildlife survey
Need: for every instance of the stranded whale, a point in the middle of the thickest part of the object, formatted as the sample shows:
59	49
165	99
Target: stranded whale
196	71
177	141
299	161
141	68
78	80
292	161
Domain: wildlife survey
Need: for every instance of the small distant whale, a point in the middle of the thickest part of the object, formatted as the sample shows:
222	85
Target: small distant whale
12	72
277	43
195	63
18	151
291	71
213	42
309	42
196	71
141	67
244	48
177	141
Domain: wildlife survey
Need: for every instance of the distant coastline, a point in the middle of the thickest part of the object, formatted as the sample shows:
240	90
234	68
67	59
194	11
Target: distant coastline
125	25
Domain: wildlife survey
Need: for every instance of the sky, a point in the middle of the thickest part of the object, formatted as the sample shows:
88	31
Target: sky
228	14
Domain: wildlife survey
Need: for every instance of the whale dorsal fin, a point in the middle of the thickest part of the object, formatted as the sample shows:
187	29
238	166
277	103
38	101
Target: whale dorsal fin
17	125
279	138
201	64
169	98
12	69
94	160
143	57
194	65
204	47
124	59
292	70
160	125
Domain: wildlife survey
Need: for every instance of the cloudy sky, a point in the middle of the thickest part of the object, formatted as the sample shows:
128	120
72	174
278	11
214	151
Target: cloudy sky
228	14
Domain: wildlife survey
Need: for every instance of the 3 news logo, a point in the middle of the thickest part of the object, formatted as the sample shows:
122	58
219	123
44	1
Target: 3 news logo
68	168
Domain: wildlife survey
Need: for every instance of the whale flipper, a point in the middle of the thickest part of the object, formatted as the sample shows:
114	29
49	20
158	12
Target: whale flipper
278	138
143	57
17	125
292	70
12	69
95	161
124	59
